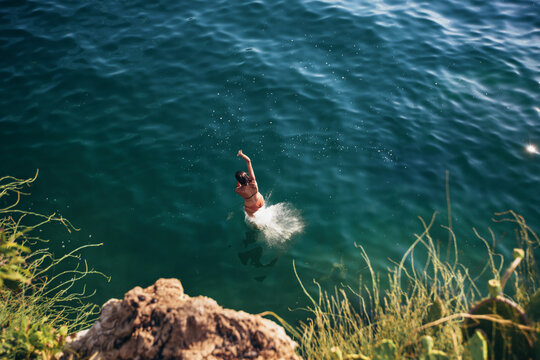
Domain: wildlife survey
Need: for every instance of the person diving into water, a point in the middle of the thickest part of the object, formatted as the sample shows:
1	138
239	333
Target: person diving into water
247	188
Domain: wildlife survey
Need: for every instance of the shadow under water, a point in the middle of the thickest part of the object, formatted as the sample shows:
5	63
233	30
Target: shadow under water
253	256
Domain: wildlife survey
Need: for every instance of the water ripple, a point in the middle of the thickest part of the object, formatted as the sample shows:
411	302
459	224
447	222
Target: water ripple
352	112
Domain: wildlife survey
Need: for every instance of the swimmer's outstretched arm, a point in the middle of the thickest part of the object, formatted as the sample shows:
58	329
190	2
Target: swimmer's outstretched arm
248	163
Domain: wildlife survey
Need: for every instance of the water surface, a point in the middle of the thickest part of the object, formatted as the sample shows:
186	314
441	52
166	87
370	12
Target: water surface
351	112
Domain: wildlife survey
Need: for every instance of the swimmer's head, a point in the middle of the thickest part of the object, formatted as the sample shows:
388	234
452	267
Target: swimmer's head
242	177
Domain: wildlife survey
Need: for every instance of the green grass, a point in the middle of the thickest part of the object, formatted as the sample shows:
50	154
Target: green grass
433	298
42	298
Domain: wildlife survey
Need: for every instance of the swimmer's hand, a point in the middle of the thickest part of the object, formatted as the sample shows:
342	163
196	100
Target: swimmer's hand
243	156
248	163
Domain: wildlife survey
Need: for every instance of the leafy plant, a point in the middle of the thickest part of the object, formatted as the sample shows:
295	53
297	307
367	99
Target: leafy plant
476	347
28	340
504	323
418	300
39	304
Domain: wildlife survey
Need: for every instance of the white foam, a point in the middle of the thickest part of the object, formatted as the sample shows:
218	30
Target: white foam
277	223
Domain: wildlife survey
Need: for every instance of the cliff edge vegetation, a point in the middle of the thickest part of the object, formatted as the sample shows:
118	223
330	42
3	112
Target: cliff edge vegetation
40	302
433	306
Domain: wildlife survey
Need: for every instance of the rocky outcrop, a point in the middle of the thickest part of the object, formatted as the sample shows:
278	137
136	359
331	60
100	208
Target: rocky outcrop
161	322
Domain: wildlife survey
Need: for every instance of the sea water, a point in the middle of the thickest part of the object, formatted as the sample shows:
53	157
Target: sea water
351	111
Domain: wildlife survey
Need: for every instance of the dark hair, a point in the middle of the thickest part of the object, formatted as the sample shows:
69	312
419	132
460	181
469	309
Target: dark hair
242	177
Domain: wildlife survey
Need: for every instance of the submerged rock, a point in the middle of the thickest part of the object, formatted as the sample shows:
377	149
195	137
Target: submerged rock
161	322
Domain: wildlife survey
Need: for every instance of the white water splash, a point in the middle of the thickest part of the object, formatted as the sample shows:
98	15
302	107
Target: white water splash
277	223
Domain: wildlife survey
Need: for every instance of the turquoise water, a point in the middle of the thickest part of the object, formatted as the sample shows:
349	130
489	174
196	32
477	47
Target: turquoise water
352	112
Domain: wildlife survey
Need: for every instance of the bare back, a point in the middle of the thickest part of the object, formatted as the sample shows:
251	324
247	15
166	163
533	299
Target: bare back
247	191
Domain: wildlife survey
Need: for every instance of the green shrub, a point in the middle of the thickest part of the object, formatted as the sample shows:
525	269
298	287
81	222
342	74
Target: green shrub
38	305
423	307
